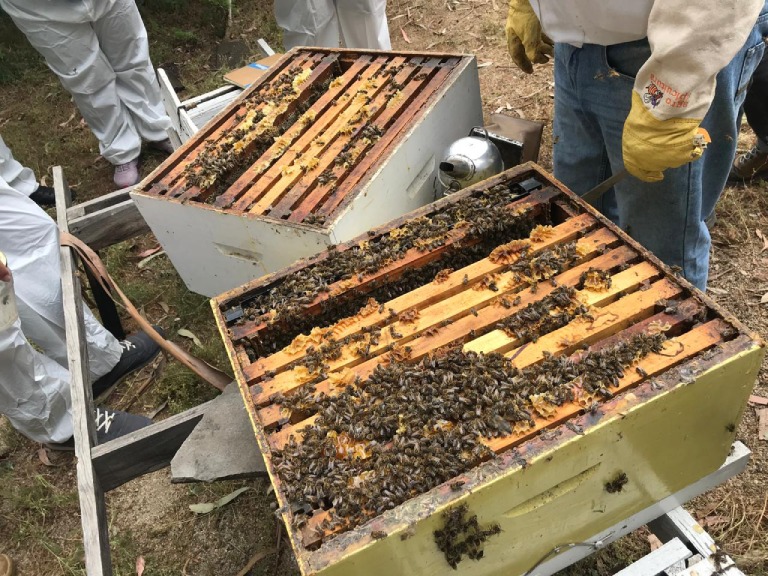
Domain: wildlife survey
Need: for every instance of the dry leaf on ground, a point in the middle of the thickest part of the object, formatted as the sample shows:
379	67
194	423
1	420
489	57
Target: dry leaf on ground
191	335
148	259
140	565
759	400
207	507
762	423
149	251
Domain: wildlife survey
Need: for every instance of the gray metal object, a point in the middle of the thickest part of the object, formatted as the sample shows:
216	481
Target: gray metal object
468	161
604	186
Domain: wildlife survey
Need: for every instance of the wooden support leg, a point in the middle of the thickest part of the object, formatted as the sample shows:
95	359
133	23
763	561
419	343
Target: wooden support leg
92	508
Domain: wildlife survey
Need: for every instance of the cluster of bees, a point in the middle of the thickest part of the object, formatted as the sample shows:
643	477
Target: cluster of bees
462	535
545	315
220	157
264	121
284	305
411	426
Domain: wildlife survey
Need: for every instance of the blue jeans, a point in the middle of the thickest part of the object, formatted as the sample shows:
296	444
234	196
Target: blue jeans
593	91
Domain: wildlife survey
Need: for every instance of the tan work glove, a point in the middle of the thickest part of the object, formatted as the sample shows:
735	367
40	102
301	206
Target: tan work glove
650	145
525	41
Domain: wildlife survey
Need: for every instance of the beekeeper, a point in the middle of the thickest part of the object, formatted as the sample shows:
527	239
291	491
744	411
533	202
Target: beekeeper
22	179
633	83
357	23
34	386
99	51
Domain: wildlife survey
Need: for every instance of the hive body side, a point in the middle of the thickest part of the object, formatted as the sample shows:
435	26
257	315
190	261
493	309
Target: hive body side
406	178
215	251
663	440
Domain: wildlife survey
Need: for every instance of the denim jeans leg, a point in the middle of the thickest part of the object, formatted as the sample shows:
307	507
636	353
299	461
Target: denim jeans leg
592	100
579	154
666	217
721	120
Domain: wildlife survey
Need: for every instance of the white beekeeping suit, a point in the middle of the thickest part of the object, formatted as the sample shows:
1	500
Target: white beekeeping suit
34	387
99	51
357	23
18	177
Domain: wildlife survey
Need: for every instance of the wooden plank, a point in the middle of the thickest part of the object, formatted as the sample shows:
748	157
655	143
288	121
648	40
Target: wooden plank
611	318
536	202
166	176
680	524
462	280
402	124
284	107
658	560
98	203
92	507
269	415
303	140
145	450
386	108
110	225
328	147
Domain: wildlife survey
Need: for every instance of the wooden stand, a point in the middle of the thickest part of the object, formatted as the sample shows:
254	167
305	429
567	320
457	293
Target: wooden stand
101	468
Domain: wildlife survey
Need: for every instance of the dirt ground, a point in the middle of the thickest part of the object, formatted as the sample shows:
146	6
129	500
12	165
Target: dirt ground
150	518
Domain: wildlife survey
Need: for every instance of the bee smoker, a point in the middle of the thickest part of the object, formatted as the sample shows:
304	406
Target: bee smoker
468	161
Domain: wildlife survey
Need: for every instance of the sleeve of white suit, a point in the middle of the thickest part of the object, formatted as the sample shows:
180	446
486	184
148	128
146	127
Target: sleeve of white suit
690	43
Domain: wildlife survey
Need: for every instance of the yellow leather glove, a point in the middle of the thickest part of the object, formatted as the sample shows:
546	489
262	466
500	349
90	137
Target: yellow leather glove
525	41
650	145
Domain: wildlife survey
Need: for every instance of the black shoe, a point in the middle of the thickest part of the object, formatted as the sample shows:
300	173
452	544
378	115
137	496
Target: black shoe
138	351
751	165
45	196
110	424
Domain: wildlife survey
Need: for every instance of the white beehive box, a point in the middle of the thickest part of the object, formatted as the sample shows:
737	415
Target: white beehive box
325	146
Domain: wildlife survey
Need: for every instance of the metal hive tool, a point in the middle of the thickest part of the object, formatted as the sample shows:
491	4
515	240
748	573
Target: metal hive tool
573	345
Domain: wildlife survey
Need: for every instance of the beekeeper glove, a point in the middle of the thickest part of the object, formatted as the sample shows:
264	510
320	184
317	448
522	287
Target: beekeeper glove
525	41
650	145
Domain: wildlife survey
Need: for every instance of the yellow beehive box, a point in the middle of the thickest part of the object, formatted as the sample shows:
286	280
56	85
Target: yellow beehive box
479	382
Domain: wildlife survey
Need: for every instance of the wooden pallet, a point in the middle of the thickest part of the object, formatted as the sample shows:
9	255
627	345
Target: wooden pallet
463	308
300	140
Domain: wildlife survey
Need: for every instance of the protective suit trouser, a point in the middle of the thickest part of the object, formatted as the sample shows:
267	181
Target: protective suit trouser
359	23
101	55
18	177
34	386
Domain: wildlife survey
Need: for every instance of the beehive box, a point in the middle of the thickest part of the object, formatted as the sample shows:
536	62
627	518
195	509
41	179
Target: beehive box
324	146
471	386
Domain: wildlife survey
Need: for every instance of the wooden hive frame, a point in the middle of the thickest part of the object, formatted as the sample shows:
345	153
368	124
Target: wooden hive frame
299	141
462	309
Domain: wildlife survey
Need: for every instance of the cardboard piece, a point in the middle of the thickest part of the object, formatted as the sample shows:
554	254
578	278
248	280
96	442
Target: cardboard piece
245	76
